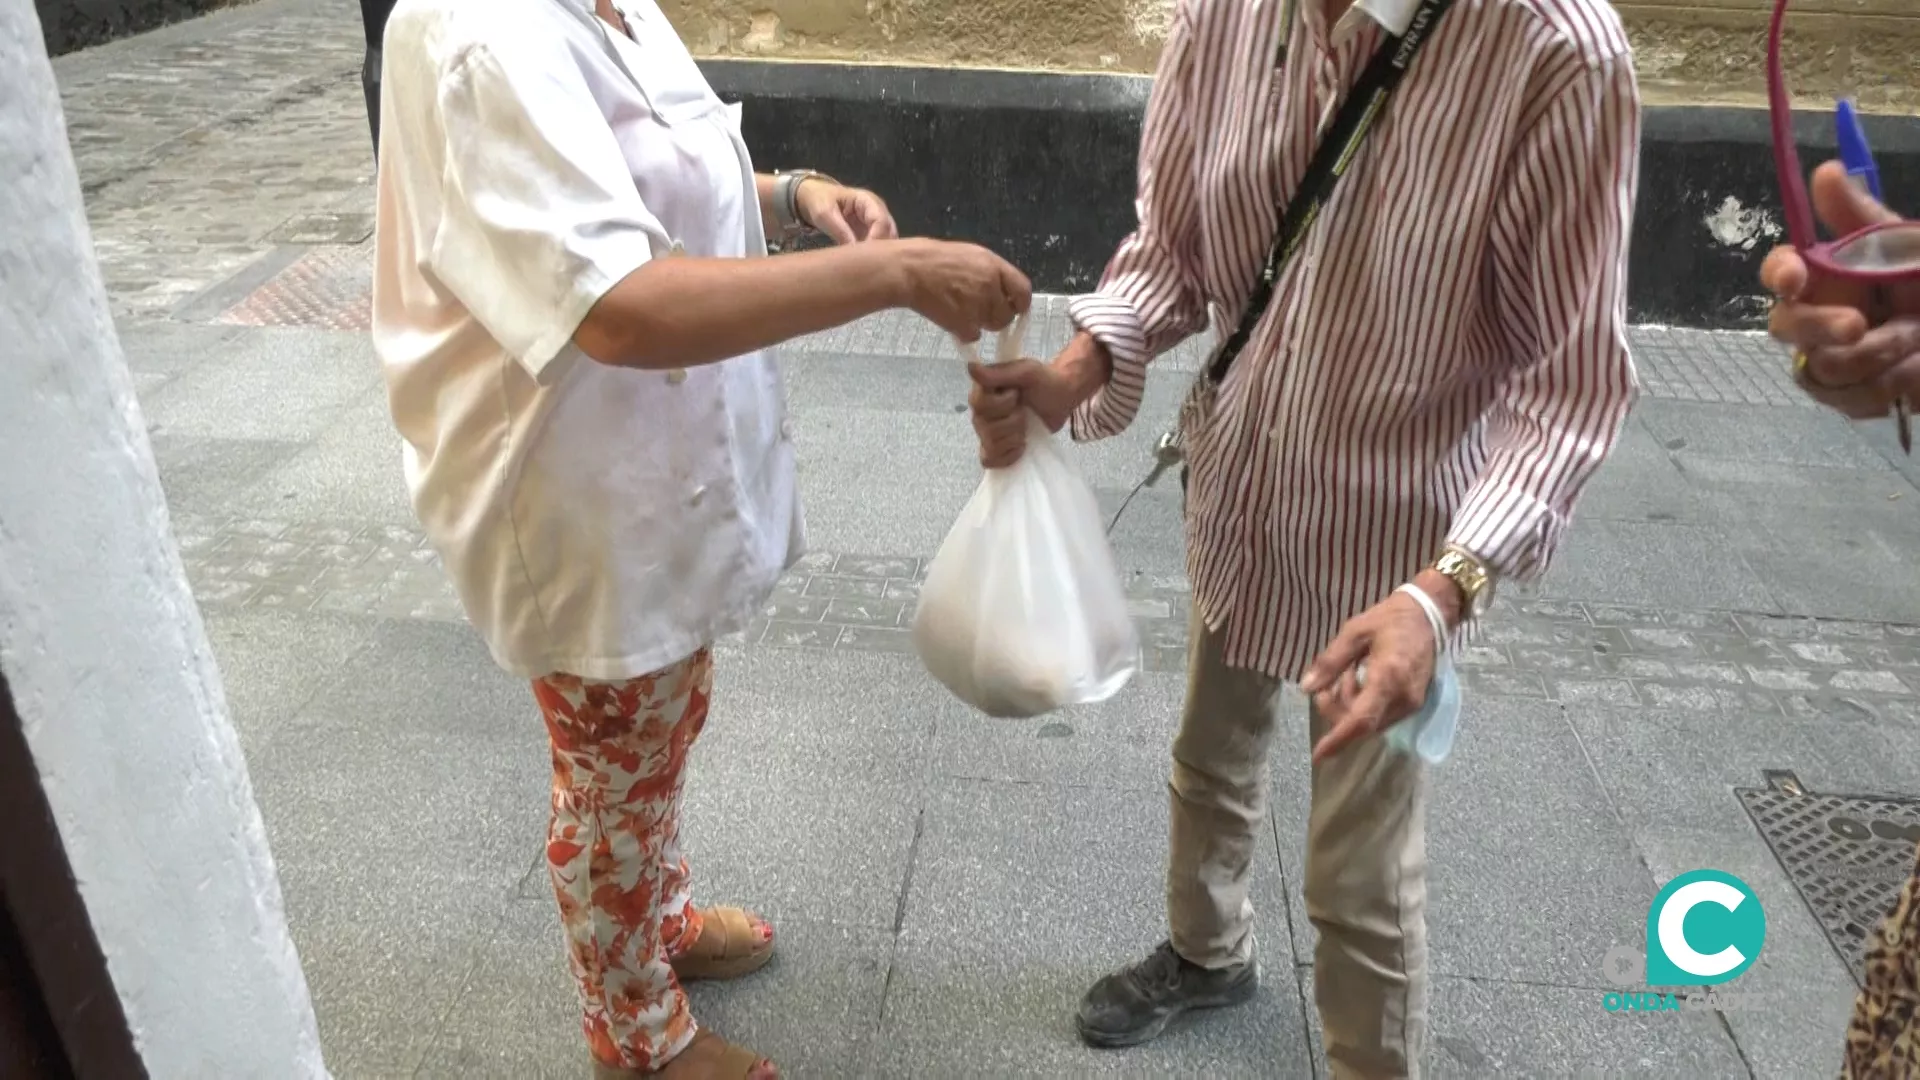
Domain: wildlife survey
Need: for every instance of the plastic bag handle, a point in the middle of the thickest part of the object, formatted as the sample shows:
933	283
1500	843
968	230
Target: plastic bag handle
1008	347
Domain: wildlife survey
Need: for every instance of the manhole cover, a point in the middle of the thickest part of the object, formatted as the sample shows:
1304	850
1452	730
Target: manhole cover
328	288
1847	855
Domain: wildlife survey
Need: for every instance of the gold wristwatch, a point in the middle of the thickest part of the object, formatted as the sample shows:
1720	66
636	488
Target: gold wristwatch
1470	575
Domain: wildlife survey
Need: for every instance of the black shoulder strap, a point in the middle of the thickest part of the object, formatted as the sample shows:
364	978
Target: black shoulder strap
1364	103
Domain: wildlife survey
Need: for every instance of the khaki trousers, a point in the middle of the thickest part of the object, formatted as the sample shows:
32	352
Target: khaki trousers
1366	867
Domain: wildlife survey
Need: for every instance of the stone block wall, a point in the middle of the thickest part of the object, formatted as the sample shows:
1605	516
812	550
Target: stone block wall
1689	51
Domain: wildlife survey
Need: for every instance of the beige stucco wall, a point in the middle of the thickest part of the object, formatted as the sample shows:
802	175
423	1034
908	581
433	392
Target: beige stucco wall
1697	50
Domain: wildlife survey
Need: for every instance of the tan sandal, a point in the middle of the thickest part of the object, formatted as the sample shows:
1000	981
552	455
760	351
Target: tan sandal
730	945
711	1057
707	1057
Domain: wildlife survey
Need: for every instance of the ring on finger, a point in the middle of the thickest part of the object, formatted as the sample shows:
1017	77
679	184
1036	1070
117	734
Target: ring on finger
1803	372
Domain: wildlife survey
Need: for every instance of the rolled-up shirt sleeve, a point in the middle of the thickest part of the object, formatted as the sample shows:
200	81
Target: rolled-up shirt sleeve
1150	298
539	212
1560	269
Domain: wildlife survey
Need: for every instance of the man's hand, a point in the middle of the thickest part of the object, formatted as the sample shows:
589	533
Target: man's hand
1862	344
848	215
1395	641
1002	395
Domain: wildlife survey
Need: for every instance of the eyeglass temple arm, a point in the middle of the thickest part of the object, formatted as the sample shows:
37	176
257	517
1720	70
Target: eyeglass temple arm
1794	202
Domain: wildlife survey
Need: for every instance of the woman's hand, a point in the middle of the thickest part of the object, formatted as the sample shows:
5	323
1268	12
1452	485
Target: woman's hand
1862	344
963	289
848	215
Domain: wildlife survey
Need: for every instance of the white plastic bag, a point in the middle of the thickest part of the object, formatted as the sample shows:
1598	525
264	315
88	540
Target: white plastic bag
1022	611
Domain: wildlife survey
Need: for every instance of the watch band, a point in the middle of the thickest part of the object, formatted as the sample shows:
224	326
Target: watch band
786	199
1469	574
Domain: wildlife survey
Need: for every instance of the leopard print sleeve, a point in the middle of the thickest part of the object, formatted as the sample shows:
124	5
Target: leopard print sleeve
1883	1039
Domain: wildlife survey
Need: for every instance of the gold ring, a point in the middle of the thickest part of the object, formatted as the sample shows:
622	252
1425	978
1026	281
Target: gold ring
1803	372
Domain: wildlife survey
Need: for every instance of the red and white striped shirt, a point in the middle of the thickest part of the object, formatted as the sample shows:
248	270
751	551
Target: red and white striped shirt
1445	357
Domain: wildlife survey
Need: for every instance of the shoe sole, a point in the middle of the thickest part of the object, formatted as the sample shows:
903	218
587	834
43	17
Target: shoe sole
723	970
1121	1040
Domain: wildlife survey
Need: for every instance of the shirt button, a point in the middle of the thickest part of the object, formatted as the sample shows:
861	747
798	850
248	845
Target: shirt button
676	376
699	494
786	430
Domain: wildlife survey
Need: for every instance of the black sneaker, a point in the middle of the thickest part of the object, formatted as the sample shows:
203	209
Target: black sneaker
1135	1004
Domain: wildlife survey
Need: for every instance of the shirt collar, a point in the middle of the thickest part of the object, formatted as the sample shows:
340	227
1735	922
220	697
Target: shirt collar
1394	16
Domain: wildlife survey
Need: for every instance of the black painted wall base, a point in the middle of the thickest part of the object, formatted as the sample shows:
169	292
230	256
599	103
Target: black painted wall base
1040	167
67	25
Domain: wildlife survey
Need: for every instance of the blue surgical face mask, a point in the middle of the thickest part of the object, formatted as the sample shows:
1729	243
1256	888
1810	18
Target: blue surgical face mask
1429	732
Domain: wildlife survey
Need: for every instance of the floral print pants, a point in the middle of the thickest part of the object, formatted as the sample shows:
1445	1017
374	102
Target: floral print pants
613	851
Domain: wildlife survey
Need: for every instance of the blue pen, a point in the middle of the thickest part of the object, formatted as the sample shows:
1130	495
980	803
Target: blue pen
1854	152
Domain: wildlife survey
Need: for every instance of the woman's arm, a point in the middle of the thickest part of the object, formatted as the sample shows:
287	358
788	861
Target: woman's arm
765	185
684	312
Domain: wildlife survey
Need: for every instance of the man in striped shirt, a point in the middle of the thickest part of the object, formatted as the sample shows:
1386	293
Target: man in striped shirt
1441	369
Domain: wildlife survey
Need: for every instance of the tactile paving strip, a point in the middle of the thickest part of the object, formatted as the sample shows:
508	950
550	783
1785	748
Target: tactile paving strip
1846	854
328	288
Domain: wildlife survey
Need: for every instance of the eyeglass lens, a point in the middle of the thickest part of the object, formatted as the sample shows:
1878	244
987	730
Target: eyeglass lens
1883	250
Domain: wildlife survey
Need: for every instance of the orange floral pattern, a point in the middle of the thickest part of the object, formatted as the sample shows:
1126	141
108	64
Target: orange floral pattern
613	851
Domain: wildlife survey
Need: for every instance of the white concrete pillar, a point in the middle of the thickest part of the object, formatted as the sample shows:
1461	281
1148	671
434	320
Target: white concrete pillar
103	647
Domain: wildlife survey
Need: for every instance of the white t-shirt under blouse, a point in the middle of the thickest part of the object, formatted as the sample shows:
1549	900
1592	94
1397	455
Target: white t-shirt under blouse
598	521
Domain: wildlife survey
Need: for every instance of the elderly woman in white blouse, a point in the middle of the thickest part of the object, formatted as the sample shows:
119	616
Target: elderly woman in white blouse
572	301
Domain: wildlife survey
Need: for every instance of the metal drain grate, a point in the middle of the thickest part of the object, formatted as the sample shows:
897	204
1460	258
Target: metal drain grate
328	288
1847	855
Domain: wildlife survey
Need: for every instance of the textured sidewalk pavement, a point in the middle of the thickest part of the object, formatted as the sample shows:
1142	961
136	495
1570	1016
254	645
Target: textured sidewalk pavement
1739	595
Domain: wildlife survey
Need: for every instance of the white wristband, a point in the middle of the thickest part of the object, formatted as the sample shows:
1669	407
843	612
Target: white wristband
1435	620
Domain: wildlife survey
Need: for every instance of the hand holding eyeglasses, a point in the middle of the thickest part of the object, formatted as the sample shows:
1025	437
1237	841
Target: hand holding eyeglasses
1849	305
1860	338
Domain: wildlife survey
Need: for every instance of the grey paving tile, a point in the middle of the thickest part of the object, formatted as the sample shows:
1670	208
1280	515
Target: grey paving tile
804	792
418	772
898	480
1484	1028
1008	926
814	1009
1850	564
272	662
397	822
1640	482
1125	742
1085	867
892	383
153	347
516	1012
1814	488
282	384
1655	564
353	471
1487	1027
1793	1004
209	475
517	1015
1530	869
1149	535
1757	434
382	986
1672	773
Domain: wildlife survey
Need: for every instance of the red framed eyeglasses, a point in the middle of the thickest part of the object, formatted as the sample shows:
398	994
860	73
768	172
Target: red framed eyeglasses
1878	254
